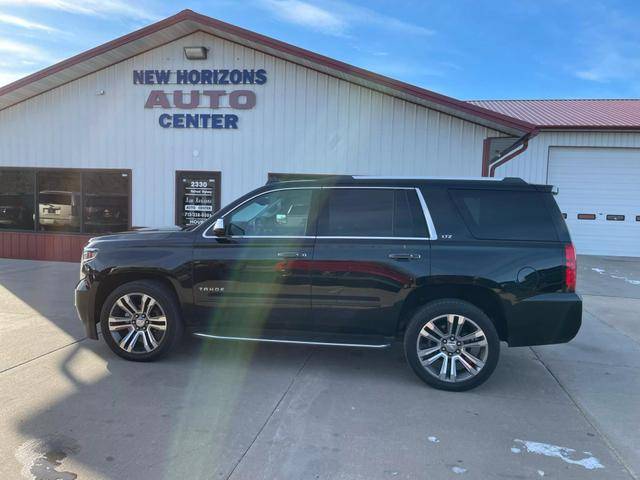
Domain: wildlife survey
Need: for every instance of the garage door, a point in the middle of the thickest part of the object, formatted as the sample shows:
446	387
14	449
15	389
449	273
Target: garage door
599	191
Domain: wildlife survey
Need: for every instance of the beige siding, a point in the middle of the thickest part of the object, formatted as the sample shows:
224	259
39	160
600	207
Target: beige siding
304	121
532	165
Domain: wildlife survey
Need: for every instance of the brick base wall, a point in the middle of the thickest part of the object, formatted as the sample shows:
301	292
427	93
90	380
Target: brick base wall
42	246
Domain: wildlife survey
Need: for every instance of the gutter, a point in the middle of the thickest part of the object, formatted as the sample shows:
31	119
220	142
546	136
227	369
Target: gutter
489	167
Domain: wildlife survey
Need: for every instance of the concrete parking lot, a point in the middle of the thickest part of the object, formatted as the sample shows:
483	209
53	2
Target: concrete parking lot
70	409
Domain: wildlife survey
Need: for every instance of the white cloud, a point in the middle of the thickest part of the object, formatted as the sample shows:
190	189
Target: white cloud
24	23
610	48
609	62
19	59
88	7
21	50
9	77
337	17
307	15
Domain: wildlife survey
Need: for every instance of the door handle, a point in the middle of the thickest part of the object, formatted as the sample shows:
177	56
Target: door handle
405	256
292	254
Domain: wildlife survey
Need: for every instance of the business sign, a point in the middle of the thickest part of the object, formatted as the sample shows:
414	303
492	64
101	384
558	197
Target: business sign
206	100
197	197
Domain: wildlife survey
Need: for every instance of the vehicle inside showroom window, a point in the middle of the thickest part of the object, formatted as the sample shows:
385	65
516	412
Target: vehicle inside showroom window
67	200
59	196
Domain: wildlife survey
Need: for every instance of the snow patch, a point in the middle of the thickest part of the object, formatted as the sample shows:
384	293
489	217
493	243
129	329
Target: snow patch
602	271
564	453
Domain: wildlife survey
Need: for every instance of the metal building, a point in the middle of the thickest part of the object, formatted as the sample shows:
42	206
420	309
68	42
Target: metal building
166	124
589	149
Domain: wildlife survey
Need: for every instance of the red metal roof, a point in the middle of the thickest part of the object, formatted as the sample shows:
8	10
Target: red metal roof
579	114
188	21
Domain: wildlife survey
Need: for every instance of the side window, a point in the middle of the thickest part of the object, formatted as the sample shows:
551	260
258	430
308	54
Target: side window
409	218
280	213
505	214
371	212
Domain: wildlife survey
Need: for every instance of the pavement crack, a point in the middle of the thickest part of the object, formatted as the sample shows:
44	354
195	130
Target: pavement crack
275	408
42	355
588	419
613	327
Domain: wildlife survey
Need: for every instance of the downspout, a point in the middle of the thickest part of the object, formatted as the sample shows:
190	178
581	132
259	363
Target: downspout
503	160
488	168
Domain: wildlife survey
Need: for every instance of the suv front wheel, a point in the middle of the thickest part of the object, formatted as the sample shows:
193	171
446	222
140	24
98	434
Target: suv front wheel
451	345
141	320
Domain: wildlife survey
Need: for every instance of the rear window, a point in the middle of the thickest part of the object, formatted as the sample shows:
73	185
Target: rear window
505	214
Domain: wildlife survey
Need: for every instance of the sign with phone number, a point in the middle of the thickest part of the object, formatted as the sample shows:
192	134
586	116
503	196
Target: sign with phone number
198	194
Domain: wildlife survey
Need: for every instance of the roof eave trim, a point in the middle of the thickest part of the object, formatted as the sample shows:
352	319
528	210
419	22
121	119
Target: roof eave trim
496	119
603	128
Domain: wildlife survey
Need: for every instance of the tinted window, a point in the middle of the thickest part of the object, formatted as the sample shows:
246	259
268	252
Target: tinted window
16	199
505	215
280	213
408	215
371	213
59	201
106	202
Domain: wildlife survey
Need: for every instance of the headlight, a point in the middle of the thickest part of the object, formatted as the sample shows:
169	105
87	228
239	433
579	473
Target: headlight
89	254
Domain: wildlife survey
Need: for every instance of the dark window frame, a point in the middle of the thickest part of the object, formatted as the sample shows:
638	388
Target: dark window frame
217	198
81	171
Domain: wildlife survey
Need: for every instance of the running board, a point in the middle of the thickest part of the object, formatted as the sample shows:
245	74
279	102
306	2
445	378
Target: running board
296	342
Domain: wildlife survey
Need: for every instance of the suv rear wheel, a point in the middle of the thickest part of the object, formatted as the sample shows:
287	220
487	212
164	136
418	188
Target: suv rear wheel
451	345
140	320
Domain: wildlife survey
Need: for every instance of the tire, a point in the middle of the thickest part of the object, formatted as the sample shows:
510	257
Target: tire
137	309
470	359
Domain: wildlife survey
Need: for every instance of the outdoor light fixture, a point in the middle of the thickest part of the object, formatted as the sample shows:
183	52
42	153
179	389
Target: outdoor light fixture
195	53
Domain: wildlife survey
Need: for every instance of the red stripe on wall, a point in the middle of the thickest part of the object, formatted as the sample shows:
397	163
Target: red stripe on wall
42	246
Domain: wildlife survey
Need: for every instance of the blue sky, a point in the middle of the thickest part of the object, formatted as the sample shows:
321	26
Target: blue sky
468	49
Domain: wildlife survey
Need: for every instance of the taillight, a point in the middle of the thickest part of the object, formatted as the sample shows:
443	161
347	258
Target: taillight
571	267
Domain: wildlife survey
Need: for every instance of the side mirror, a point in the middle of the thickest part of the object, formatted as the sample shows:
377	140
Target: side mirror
218	228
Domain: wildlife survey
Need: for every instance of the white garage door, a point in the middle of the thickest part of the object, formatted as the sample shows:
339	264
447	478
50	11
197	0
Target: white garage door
600	195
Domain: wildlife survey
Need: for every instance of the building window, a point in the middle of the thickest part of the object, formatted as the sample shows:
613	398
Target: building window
106	202
197	196
65	200
17	199
59	197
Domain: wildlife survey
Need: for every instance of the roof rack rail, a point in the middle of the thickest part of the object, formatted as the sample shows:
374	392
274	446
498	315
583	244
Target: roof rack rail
307	178
514	180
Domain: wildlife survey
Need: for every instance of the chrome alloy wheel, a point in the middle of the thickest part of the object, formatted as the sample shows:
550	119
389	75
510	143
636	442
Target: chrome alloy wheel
137	323
452	348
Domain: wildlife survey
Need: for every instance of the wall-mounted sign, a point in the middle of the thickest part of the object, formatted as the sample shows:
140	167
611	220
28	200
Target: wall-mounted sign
197	196
205	100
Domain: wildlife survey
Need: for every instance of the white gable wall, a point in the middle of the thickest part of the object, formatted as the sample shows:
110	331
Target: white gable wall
304	121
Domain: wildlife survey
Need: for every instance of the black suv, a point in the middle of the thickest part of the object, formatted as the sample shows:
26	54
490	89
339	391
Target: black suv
450	267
